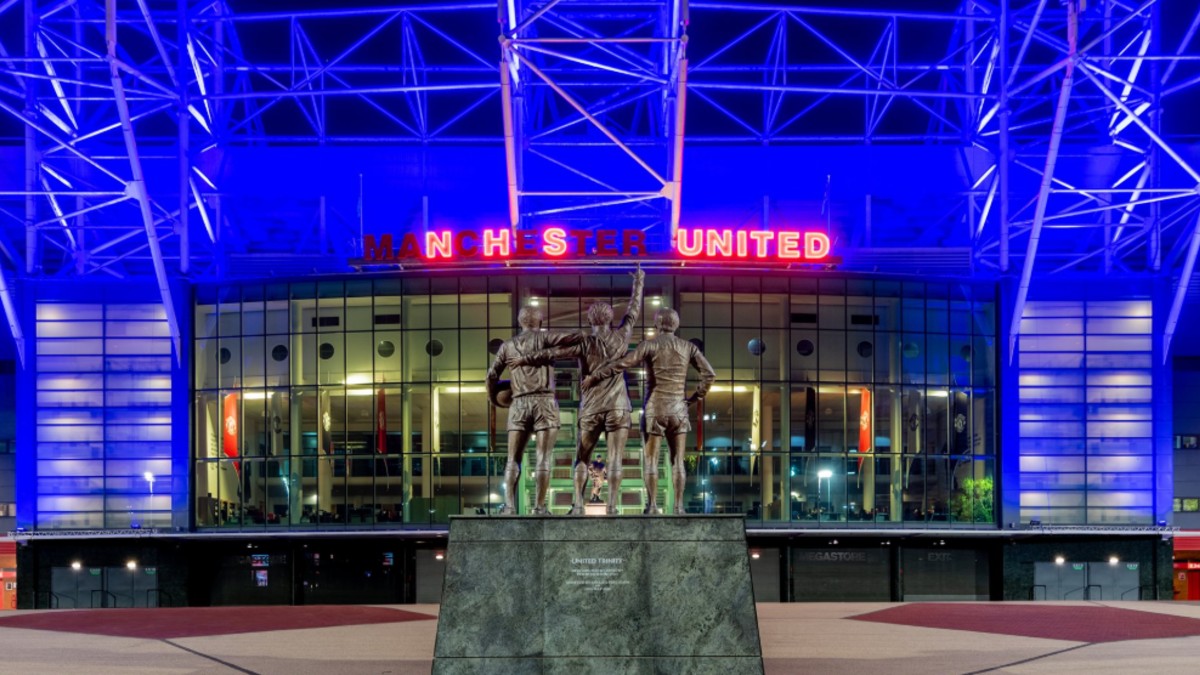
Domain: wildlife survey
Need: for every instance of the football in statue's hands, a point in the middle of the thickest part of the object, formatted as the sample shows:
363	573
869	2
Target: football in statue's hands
502	396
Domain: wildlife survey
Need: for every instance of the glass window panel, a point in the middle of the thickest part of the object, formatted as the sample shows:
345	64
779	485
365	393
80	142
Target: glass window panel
938	359
831	419
831	312
387	350
803	351
1068	308
1028	359
831	356
359	312
887	349
69	312
1119	361
229	312
70	347
937	312
860	356
70	329
1118	343
912	358
718	349
1120	308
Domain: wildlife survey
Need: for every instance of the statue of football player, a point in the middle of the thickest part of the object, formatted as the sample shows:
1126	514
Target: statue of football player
534	410
605	407
667	358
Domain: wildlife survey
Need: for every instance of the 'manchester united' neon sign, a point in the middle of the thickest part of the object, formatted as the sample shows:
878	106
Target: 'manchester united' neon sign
556	242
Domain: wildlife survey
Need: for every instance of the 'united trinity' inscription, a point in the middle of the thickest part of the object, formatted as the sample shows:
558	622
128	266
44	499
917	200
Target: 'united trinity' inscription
597	574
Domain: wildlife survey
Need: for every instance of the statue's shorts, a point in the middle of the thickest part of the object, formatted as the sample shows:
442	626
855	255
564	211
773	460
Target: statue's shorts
533	413
666	420
609	420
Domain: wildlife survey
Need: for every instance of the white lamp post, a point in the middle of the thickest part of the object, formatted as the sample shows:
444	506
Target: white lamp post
826	475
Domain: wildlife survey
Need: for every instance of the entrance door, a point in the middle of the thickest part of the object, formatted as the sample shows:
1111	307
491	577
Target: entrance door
1086	581
73	588
1052	581
1113	581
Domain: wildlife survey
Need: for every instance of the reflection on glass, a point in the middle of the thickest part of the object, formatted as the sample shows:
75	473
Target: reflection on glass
360	403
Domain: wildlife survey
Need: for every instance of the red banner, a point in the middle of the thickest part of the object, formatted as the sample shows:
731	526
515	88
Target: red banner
866	434
229	429
381	423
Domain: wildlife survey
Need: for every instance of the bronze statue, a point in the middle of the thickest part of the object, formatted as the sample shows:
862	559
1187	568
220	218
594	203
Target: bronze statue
534	410
667	358
604	407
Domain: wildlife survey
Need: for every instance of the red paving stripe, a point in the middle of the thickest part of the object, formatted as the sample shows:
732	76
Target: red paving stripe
1075	623
181	622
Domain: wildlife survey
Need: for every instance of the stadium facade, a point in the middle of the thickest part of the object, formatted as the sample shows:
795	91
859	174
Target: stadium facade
259	261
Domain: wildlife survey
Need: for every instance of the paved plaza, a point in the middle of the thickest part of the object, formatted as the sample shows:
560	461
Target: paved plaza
893	638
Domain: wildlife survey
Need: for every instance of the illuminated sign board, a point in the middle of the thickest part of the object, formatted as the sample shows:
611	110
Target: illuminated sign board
560	243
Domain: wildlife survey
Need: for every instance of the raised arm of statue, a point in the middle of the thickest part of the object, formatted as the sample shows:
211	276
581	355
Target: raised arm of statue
707	375
634	309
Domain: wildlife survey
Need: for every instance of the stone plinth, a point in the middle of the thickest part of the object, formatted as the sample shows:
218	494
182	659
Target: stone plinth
611	594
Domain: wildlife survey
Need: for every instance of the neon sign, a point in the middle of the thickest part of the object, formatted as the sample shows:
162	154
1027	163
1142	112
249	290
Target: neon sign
700	243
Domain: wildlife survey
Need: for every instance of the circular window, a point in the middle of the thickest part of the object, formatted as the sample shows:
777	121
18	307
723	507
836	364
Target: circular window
279	353
494	345
965	352
698	342
805	347
756	347
385	348
865	349
325	351
224	355
434	347
911	350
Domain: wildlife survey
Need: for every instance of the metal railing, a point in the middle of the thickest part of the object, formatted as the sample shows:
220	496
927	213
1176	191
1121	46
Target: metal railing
158	595
53	601
104	595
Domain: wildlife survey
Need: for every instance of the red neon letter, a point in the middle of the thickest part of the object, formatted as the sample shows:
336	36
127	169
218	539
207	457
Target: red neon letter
740	235
689	243
761	239
789	244
554	242
635	242
581	237
464	249
606	242
526	244
439	244
816	245
409	247
496	242
380	251
718	242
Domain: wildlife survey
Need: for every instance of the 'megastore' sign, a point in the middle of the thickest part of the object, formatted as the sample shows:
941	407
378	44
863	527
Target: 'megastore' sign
557	242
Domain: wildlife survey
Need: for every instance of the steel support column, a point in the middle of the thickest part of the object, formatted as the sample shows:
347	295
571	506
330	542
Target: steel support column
137	186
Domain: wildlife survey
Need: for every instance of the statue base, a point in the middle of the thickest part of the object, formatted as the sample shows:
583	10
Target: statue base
609	594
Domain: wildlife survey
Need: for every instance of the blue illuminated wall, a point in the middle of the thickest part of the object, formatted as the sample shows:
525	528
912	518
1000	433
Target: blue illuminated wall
100	406
1087	413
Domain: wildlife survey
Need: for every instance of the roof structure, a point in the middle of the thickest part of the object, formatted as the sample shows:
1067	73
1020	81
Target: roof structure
1059	132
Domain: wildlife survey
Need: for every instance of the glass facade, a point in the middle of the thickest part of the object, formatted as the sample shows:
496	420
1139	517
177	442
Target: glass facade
103	416
360	403
1087	413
